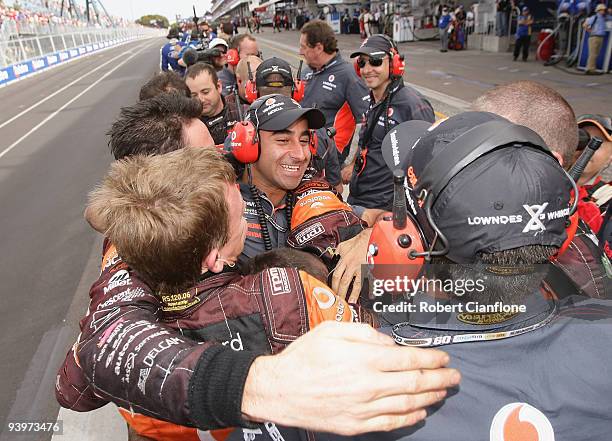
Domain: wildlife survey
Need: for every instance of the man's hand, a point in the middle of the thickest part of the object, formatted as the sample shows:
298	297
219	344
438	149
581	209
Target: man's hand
347	173
352	255
346	378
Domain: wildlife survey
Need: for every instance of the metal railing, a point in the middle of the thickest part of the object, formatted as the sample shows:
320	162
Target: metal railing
21	43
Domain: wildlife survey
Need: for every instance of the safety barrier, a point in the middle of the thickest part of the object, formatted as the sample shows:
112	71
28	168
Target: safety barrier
23	54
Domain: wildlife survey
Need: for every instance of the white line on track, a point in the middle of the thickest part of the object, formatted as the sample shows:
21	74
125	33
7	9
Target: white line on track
48	118
34	106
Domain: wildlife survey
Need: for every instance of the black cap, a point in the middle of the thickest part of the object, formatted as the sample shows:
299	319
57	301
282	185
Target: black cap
277	112
172	33
511	197
376	46
273	66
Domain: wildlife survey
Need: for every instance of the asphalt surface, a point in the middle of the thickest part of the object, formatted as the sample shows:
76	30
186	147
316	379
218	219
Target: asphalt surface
50	254
52	154
459	77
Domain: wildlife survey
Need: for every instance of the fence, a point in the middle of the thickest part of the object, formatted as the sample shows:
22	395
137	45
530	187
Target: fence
22	42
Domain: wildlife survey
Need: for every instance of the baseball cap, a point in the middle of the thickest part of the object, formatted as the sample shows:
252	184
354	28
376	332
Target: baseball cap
513	196
600	7
374	46
277	112
218	42
603	123
525	9
173	33
273	65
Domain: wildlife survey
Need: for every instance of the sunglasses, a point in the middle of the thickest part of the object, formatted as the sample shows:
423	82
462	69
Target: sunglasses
374	62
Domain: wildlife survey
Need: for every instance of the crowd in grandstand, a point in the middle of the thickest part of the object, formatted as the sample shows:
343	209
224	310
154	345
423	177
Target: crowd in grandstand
49	13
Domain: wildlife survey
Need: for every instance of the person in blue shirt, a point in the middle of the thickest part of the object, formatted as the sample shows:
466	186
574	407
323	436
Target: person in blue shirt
169	51
443	25
596	26
523	33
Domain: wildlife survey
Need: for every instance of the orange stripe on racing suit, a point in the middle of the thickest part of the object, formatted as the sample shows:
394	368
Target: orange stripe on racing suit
315	204
344	123
322	303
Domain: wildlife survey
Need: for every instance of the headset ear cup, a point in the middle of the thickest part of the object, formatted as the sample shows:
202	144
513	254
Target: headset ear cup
398	65
251	91
244	142
232	57
314	142
298	90
356	66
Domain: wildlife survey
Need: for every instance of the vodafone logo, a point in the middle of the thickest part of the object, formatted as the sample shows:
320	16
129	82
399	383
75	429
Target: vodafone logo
331	78
520	422
270	101
324	297
390	112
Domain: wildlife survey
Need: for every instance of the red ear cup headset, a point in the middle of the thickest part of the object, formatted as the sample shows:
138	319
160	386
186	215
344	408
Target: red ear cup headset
244	136
250	90
232	57
398	243
297	92
397	64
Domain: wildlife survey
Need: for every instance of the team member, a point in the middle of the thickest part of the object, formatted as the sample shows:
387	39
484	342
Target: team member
596	26
273	76
169	52
163	82
218	113
225	389
595	191
240	46
523	34
535	105
246	64
519	303
183	249
333	86
391	103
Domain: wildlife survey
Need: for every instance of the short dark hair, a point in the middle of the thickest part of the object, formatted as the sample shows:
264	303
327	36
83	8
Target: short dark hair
196	69
163	82
318	31
153	126
286	258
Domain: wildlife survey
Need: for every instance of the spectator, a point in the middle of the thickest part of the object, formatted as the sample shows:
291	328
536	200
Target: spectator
368	23
444	26
596	26
470	20
501	17
523	34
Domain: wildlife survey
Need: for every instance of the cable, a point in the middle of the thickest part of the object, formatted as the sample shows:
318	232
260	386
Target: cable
261	216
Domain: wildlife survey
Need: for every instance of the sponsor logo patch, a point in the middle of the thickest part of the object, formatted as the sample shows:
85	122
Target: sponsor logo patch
520	421
279	281
309	233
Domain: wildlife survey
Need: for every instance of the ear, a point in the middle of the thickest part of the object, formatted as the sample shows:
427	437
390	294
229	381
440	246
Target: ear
210	262
559	158
219	86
